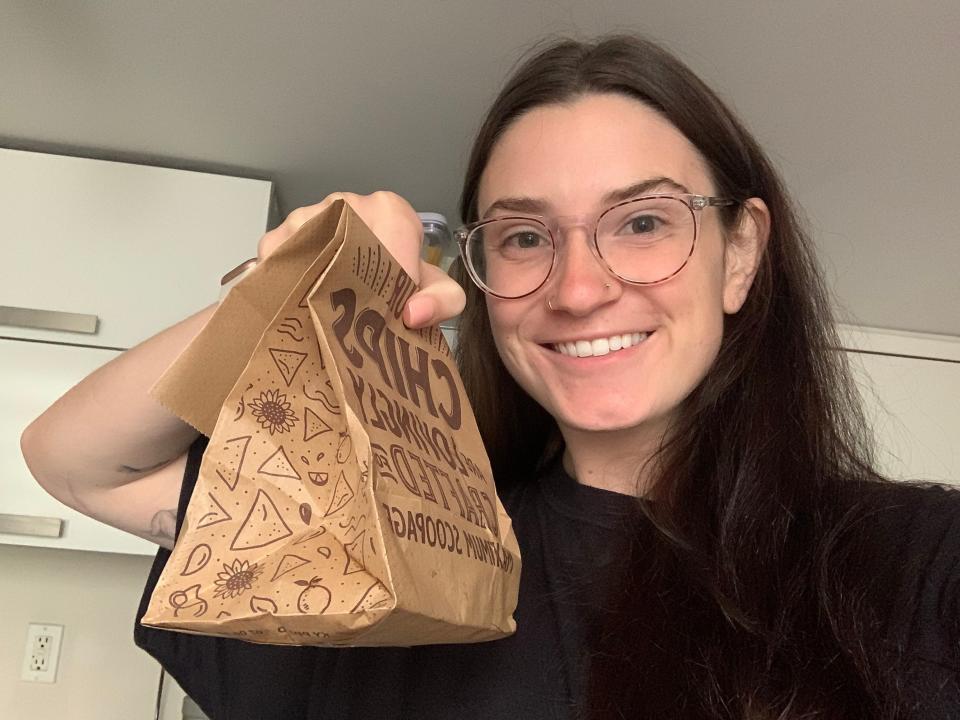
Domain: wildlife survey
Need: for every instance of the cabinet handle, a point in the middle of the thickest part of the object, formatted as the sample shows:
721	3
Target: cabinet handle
31	525
48	319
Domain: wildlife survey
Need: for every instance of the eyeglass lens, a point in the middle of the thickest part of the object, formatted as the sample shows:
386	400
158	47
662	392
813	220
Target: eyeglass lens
642	241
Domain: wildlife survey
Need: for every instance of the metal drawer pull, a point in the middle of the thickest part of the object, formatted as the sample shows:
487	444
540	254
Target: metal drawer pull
48	319
31	525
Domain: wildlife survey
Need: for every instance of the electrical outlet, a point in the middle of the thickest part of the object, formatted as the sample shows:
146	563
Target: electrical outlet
42	653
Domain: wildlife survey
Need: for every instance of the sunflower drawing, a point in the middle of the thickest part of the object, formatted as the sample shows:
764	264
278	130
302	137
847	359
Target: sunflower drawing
273	412
236	579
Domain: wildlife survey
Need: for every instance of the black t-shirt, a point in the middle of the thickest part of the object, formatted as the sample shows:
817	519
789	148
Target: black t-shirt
566	535
569	535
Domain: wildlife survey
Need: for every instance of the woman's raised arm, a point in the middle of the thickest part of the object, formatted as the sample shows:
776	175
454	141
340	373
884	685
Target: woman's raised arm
107	449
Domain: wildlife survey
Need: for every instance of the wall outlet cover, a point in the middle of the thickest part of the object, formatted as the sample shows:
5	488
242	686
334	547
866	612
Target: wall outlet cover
42	653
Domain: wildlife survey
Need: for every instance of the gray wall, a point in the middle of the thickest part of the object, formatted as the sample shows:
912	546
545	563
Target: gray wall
855	101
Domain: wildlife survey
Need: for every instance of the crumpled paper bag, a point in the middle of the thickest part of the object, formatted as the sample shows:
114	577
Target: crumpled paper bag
345	497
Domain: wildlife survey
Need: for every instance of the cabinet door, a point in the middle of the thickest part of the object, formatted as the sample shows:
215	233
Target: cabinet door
130	249
910	385
32	376
913	405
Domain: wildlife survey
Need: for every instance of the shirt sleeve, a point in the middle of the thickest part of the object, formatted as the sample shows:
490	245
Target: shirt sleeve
926	606
936	532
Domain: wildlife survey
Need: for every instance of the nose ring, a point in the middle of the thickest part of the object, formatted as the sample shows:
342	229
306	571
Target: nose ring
550	303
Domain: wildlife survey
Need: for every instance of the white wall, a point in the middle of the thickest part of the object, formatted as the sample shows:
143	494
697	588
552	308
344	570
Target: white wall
102	675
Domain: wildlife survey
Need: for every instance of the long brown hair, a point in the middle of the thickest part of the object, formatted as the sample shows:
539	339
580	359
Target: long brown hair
730	604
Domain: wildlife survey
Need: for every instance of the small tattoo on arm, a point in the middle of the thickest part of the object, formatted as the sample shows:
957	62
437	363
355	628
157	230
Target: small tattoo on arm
151	468
163	526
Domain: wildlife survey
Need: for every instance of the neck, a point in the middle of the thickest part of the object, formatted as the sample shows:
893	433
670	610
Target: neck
614	460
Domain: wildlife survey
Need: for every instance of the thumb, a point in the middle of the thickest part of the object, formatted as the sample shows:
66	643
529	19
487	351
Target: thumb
439	298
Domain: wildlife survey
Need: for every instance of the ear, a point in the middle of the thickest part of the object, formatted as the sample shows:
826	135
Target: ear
742	253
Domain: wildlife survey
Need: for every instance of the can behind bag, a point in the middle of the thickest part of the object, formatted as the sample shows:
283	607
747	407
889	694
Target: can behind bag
344	497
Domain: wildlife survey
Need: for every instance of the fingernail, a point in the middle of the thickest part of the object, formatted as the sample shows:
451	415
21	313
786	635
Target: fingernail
418	312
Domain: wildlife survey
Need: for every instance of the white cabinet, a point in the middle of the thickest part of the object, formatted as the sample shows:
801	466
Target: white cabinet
125	250
136	247
910	384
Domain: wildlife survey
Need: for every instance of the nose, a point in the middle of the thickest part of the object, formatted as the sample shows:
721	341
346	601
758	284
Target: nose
580	282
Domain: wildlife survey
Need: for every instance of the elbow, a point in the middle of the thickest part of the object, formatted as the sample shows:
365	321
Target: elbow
28	449
34	454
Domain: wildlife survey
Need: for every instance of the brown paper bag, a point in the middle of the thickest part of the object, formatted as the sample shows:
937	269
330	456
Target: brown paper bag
345	497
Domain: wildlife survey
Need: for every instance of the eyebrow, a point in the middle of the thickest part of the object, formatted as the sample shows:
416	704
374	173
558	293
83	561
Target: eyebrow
538	206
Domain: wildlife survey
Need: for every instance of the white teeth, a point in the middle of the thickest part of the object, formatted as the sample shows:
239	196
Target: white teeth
600	346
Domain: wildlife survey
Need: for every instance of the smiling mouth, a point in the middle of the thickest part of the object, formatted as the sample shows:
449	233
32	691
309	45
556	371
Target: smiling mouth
600	346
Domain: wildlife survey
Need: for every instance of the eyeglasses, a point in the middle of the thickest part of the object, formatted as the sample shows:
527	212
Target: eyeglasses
643	241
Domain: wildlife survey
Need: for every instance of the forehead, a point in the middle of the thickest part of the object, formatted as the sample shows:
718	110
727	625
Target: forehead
572	154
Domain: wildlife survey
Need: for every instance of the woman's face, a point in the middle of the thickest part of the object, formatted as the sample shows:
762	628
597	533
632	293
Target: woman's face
568	160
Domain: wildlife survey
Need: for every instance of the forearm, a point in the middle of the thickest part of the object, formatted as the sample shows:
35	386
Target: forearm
107	431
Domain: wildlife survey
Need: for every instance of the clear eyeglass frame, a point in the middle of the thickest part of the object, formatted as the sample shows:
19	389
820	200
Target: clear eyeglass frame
695	203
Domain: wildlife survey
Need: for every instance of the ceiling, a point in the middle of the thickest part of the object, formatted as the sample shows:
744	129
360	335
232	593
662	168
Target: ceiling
856	102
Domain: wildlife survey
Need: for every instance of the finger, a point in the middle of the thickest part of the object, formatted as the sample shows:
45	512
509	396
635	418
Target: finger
439	298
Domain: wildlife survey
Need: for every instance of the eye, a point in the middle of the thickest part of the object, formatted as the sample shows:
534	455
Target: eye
516	239
525	240
642	224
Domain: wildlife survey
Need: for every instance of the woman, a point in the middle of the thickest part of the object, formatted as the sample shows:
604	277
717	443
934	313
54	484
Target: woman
644	319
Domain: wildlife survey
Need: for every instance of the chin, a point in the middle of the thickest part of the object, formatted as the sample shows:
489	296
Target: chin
607	420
